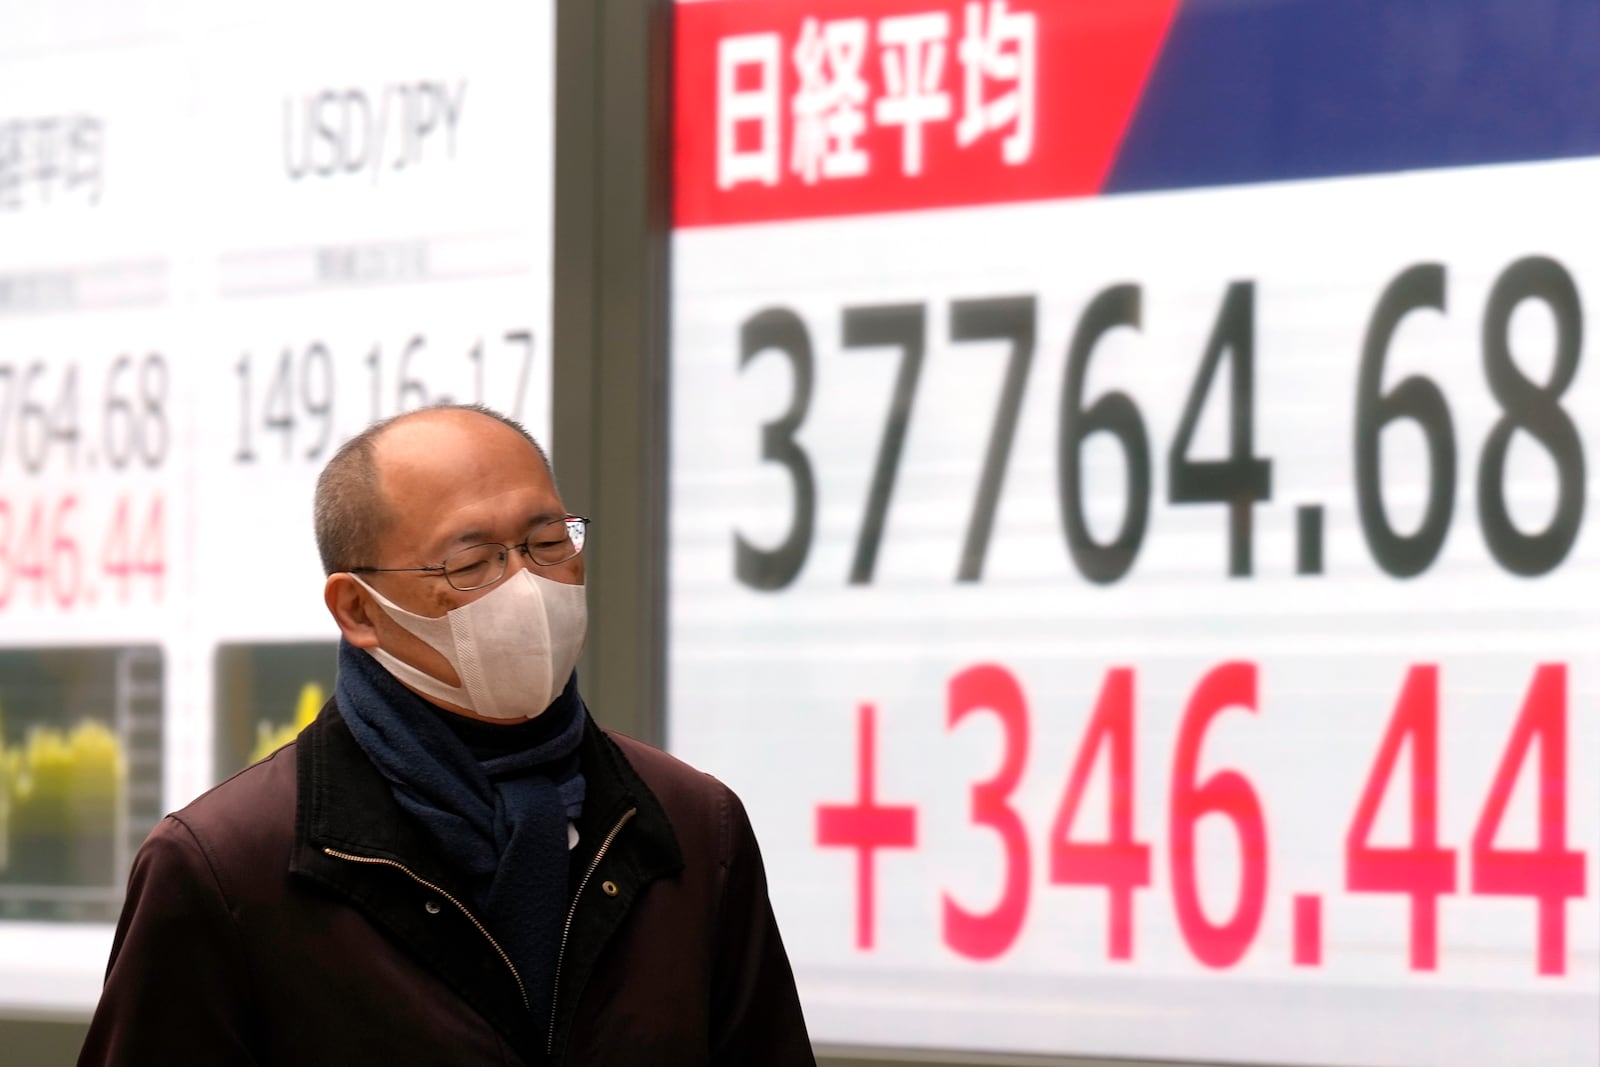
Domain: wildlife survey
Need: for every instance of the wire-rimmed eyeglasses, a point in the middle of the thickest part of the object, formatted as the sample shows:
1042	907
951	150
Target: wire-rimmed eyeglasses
480	565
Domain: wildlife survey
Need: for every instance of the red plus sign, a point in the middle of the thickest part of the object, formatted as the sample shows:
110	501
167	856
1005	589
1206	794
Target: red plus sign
866	825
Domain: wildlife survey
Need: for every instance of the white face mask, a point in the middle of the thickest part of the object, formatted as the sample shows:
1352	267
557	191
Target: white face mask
513	649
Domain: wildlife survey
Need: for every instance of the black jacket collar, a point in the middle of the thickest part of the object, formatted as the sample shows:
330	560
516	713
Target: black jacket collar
345	806
344	803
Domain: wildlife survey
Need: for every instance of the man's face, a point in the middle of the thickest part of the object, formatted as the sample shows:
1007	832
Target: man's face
452	479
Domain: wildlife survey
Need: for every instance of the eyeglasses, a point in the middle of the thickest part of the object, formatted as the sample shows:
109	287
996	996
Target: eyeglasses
481	565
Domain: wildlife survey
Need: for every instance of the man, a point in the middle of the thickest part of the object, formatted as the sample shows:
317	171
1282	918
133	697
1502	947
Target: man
453	864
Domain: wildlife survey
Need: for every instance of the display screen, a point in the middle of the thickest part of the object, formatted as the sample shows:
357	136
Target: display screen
1131	525
231	236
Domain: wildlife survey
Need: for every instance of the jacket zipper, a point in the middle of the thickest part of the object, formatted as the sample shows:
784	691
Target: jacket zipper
522	989
566	929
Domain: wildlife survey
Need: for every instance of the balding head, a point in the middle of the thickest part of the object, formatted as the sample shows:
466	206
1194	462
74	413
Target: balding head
350	510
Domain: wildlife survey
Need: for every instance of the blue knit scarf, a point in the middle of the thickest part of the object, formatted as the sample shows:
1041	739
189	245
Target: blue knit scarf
501	822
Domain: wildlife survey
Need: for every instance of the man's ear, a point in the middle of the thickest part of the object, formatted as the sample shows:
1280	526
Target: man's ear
352	609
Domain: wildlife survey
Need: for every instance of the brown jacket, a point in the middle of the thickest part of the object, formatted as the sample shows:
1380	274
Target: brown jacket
294	915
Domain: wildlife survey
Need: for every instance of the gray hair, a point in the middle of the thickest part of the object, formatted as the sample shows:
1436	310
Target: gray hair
349	512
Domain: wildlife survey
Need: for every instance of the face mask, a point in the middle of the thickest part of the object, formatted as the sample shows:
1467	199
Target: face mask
513	649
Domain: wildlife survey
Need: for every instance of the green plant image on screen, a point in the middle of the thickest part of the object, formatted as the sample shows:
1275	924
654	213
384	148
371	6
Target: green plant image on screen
80	777
265	695
271	737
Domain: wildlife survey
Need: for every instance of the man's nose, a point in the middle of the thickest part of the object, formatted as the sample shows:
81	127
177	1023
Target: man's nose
518	558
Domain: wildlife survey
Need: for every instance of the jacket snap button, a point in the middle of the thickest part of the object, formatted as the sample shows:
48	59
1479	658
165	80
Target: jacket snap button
431	907
608	888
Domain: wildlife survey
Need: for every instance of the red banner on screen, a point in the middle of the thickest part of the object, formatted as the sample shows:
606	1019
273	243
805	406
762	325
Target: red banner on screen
803	108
